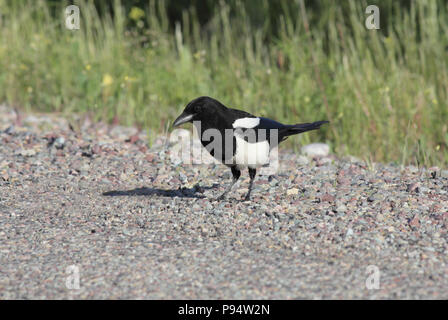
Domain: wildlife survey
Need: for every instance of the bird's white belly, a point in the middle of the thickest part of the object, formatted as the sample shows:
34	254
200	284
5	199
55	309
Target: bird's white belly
252	155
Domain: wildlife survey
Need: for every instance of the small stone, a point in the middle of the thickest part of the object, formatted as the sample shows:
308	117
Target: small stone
415	222
96	149
327	198
183	178
292	191
341	209
28	153
133	139
149	157
444	173
349	232
379	239
412	187
422	189
59	143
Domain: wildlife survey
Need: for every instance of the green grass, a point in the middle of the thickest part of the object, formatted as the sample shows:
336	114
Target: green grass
385	93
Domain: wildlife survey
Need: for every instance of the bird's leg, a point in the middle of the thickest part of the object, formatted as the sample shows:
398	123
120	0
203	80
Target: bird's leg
252	173
235	176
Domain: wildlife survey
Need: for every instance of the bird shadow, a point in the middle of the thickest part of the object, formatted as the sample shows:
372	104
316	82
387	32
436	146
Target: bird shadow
194	192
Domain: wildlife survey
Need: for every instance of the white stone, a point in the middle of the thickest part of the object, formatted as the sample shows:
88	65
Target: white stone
349	233
444	173
316	150
292	191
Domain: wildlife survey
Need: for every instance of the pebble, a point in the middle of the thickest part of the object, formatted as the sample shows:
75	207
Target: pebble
444	173
28	153
59	143
349	232
412	187
341	209
423	189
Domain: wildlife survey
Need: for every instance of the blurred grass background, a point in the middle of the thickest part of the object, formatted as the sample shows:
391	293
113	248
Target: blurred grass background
139	62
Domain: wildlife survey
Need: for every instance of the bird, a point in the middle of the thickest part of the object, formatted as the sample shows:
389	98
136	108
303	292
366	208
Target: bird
237	138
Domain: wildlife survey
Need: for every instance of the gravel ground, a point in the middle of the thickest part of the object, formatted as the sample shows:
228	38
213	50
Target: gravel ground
138	226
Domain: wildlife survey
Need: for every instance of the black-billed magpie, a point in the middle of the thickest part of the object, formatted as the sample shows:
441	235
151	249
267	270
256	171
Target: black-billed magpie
237	138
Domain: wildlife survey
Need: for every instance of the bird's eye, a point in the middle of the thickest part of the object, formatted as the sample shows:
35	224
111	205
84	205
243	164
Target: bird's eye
197	108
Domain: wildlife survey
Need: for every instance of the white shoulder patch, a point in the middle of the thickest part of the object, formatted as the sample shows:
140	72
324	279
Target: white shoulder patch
246	123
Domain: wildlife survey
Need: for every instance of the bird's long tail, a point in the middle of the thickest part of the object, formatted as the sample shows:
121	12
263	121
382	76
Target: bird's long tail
303	127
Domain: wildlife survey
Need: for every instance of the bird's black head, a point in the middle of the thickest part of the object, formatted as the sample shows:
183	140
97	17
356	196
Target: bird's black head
199	109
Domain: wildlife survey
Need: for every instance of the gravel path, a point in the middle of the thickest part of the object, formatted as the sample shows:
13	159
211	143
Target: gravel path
137	226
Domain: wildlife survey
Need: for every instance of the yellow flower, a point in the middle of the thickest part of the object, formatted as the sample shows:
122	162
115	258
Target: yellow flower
136	13
435	101
129	79
438	147
88	67
107	80
29	89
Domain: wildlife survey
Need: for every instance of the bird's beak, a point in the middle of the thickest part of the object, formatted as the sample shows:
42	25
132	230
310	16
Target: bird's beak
183	118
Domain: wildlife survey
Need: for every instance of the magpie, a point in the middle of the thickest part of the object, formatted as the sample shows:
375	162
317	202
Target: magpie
237	138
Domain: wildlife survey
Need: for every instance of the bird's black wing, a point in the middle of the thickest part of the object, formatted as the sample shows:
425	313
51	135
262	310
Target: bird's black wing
282	131
239	114
257	129
267	124
272	130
